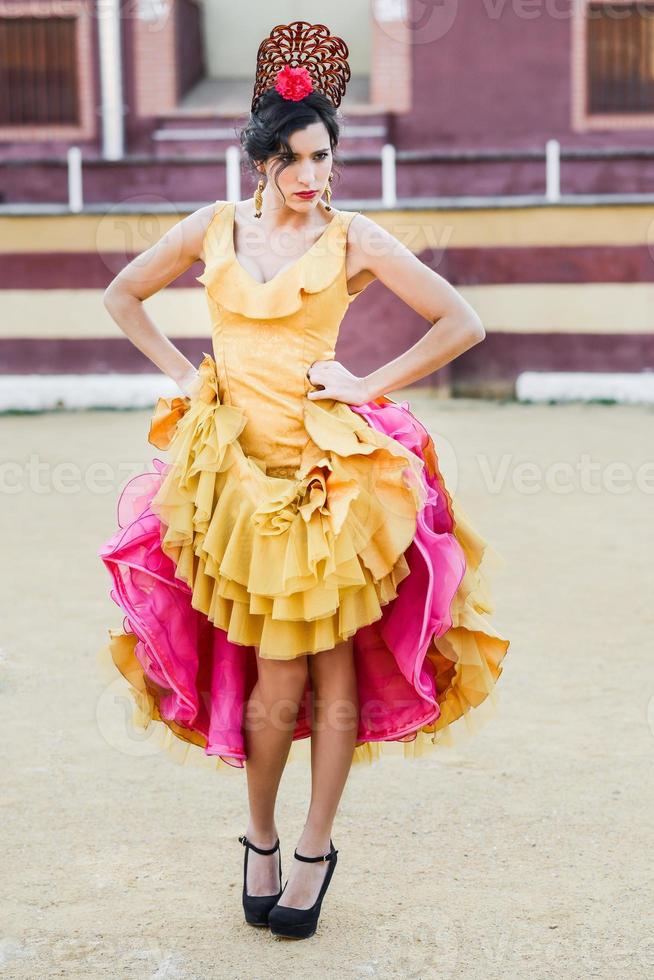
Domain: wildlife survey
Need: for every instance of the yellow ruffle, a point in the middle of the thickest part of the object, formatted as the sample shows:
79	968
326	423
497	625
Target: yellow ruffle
230	285
296	565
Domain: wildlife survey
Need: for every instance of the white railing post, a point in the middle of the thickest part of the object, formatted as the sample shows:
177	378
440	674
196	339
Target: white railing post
75	197
389	176
553	170
111	77
233	172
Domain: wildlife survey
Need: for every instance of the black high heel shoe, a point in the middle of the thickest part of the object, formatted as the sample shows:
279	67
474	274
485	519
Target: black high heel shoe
257	907
284	920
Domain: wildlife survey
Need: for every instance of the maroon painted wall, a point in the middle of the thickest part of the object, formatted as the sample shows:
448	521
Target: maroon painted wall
499	75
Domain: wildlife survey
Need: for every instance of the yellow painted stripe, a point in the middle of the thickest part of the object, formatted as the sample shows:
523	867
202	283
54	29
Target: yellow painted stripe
611	308
80	313
521	227
565	307
124	234
553	225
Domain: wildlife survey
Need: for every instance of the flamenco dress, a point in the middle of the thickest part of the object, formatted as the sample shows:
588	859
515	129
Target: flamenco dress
292	524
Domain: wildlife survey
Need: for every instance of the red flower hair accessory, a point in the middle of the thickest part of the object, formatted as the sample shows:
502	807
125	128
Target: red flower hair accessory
293	83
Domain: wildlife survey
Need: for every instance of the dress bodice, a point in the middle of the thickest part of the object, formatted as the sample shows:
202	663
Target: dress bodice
266	335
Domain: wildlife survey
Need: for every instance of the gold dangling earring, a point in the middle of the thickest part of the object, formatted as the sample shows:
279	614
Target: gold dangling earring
258	198
328	192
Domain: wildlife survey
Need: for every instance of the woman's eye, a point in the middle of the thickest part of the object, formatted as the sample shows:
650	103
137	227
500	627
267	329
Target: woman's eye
319	156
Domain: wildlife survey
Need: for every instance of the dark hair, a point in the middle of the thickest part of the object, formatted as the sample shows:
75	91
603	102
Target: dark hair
275	119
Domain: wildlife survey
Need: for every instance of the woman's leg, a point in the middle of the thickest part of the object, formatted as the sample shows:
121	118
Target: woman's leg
270	717
333	737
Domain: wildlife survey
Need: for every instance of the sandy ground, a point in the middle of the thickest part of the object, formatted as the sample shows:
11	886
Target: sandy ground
524	853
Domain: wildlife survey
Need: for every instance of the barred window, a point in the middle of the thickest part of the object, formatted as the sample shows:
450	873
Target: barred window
620	57
38	71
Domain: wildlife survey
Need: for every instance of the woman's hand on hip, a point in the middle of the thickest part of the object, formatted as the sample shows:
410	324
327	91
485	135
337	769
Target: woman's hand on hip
333	380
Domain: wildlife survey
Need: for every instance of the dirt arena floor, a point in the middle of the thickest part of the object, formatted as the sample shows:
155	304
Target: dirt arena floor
525	852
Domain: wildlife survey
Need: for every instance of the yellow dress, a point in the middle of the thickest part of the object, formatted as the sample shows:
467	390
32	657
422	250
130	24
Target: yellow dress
291	524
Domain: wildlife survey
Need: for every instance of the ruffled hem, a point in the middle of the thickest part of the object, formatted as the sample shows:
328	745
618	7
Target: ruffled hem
290	565
421	666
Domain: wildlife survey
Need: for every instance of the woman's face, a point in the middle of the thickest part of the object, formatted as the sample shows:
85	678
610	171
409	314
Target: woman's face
307	169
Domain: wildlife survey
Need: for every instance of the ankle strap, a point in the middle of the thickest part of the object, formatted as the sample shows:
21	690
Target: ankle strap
320	857
260	850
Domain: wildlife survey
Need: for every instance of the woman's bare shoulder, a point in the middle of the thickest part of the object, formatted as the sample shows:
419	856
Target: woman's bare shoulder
196	226
366	234
362	239
174	252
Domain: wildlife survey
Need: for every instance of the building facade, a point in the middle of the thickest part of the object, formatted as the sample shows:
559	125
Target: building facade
467	93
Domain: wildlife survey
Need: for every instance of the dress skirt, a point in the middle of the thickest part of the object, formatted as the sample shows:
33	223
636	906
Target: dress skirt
212	557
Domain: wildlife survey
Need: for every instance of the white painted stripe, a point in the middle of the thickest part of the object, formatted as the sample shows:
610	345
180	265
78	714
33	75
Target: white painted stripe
562	386
43	392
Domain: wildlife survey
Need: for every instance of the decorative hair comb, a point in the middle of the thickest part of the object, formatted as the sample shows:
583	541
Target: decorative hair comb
299	57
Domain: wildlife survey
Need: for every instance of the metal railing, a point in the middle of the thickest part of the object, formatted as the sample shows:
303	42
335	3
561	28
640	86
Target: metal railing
389	158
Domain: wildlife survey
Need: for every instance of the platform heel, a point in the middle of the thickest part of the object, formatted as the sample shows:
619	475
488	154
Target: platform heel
292	923
257	907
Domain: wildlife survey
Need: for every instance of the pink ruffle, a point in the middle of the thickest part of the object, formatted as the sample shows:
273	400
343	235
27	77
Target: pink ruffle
203	680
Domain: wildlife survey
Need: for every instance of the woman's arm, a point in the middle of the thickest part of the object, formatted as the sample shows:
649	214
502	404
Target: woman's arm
455	328
455	325
144	276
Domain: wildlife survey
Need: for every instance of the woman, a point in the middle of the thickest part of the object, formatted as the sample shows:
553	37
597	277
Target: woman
260	571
